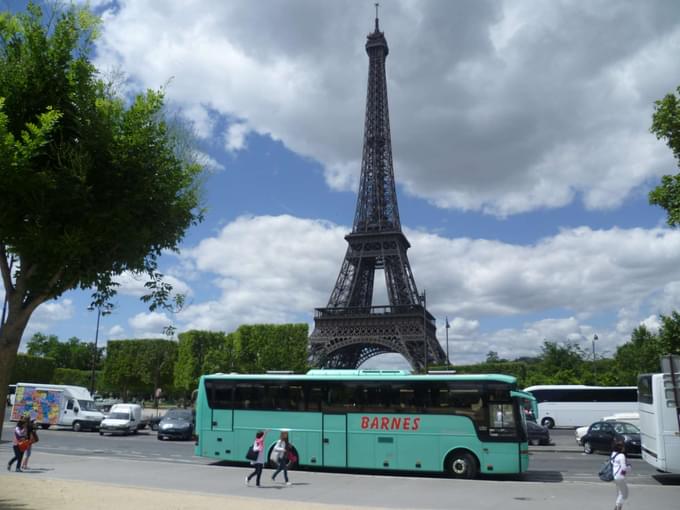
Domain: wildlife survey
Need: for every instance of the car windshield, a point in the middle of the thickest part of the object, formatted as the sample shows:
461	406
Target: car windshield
120	416
87	405
626	428
178	414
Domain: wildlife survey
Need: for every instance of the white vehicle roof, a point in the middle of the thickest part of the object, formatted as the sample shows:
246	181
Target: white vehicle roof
77	392
124	407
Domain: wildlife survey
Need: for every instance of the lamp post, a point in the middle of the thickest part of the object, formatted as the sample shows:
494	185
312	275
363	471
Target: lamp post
425	329
594	370
448	362
100	312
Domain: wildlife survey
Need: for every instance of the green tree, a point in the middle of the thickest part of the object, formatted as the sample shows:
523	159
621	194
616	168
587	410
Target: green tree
73	354
559	364
92	185
492	357
157	359
669	335
666	126
32	369
195	349
265	347
639	355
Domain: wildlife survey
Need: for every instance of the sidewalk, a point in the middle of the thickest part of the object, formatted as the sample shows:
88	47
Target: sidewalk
22	492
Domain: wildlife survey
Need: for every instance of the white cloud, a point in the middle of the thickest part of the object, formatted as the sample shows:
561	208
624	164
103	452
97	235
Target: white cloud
235	137
117	332
279	268
133	284
502	107
149	325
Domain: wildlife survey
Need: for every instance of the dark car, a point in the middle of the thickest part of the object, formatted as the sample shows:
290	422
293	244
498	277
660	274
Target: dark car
538	434
601	436
176	424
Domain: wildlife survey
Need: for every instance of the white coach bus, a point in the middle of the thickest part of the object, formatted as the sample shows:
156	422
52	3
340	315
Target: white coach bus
659	429
576	405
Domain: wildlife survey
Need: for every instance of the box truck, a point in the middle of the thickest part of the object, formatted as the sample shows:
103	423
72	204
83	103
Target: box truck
56	404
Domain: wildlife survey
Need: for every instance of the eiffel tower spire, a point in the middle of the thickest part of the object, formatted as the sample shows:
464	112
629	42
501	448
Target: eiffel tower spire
350	329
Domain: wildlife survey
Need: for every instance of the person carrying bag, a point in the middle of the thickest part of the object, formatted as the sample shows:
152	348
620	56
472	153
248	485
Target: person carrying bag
258	462
280	456
620	469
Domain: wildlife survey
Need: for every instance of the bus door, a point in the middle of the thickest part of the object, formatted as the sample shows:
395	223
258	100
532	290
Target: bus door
335	440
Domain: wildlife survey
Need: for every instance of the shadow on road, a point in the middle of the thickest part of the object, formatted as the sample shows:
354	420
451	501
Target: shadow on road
8	504
530	476
667	479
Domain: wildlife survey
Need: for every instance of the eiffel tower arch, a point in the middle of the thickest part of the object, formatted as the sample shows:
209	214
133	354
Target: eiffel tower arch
350	330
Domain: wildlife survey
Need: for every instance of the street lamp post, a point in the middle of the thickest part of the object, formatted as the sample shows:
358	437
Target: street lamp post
594	370
425	329
448	362
100	312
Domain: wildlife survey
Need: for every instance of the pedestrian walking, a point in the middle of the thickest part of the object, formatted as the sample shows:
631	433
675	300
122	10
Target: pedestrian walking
258	464
19	435
280	456
621	468
32	436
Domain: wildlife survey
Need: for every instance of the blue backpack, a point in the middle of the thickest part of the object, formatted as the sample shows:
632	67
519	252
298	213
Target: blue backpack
606	472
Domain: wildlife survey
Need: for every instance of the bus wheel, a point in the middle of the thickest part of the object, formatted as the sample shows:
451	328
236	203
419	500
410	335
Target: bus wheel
548	422
461	464
76	426
44	426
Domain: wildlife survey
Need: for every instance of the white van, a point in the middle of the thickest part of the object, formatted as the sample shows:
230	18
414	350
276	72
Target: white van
123	419
56	404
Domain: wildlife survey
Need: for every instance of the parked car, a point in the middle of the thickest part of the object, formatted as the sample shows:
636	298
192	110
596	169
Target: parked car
601	435
124	419
633	418
176	423
538	434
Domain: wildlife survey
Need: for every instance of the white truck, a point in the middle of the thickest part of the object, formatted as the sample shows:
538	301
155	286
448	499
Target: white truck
122	419
56	404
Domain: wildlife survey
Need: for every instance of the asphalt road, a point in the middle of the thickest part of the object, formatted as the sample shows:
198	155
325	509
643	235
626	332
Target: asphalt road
562	462
561	477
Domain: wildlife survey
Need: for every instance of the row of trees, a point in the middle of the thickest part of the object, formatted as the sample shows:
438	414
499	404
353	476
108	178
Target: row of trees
136	368
567	363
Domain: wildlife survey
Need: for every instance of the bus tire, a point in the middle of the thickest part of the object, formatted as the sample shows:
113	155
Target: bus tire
77	427
44	426
461	464
548	422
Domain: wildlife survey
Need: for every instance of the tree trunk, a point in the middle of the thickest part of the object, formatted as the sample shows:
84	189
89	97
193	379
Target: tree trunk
10	338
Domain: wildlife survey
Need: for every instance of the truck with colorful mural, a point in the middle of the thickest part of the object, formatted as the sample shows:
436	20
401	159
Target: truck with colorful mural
56	404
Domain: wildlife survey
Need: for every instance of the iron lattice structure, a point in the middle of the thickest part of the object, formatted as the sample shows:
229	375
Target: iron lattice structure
350	330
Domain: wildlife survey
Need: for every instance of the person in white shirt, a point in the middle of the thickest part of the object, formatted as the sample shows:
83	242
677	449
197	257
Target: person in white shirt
280	455
621	468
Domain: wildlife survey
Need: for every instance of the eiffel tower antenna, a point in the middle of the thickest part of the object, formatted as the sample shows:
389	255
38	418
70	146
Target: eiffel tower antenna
350	330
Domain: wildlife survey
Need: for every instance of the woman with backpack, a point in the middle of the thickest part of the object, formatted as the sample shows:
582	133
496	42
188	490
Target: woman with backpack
620	468
280	455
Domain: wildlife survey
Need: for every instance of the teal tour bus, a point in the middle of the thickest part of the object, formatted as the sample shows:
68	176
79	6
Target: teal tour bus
462	425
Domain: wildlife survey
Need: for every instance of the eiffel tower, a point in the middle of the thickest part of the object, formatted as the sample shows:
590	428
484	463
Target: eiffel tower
350	330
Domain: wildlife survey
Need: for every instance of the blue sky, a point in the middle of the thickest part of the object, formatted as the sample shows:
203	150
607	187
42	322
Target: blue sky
523	159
